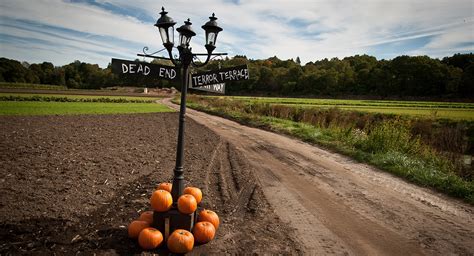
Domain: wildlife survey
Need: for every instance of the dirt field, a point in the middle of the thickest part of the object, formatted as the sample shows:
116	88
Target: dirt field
71	184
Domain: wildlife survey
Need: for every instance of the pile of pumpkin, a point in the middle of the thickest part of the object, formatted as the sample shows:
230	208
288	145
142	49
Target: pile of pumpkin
180	240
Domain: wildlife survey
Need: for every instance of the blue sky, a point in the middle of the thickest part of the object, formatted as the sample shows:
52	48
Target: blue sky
95	31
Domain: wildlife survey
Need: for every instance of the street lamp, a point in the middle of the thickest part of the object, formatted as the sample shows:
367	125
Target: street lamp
212	30
185	34
165	25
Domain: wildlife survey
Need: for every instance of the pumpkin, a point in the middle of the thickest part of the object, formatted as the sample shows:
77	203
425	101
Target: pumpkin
180	241
187	204
208	215
204	232
147	216
161	200
165	186
196	192
136	227
150	238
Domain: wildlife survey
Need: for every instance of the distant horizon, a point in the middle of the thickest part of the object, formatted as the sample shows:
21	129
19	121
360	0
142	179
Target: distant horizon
95	31
294	59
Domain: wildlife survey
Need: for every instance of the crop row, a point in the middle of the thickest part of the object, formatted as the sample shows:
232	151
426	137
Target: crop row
32	86
339	102
72	99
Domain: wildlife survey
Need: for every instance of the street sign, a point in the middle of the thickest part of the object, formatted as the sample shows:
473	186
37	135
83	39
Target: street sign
143	69
220	76
216	88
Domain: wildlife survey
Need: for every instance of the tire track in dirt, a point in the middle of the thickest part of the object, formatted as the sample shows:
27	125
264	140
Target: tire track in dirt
338	206
210	167
233	190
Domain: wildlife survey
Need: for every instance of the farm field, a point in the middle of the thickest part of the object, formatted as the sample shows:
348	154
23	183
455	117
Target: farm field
57	104
71	184
442	110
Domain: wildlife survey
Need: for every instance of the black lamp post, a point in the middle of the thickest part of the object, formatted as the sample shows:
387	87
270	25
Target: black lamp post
165	25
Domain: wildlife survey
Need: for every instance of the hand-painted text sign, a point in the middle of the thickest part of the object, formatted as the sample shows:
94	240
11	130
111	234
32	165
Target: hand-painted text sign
220	76
135	68
216	88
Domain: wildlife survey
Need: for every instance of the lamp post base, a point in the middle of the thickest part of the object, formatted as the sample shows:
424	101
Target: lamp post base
167	222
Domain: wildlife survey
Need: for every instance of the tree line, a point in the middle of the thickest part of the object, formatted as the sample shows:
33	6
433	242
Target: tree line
403	76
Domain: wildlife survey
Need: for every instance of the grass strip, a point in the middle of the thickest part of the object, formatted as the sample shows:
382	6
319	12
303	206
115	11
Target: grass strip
77	108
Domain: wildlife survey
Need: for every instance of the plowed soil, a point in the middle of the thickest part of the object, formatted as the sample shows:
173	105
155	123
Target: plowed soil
71	184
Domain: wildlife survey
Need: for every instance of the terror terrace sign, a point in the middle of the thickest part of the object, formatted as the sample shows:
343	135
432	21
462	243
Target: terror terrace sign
220	76
126	67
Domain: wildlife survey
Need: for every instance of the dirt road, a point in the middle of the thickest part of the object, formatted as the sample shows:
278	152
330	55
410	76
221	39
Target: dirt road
339	206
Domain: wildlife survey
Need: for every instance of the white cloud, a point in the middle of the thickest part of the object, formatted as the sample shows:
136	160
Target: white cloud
80	17
260	29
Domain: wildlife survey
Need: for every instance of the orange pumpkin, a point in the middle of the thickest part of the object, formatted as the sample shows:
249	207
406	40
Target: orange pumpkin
150	238
147	216
196	192
187	204
208	215
136	227
161	200
180	241
165	186
204	232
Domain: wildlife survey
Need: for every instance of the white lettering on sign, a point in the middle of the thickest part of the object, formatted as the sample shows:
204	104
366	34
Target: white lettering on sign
132	69
205	79
220	76
167	73
236	74
214	87
217	88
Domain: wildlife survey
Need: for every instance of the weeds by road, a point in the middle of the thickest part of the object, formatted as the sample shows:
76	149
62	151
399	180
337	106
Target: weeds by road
398	145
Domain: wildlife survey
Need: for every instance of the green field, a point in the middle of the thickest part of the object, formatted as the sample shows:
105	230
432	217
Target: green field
41	104
345	102
129	98
436	110
31	86
76	108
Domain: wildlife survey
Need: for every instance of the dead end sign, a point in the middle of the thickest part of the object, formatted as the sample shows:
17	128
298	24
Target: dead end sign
220	76
149	70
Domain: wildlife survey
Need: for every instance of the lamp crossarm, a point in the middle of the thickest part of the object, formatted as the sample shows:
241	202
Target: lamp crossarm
202	64
208	58
145	52
152	56
212	54
175	61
